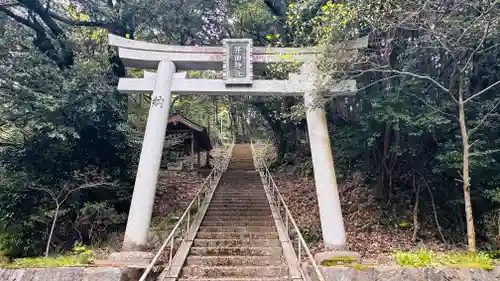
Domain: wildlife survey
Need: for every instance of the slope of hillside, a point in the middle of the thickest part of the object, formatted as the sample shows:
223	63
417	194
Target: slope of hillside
370	229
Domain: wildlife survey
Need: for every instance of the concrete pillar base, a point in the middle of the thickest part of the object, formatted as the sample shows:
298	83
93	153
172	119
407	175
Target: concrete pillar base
341	257
136	259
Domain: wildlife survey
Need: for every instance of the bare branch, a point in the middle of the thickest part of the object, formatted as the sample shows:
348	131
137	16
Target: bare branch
436	219
86	186
414	75
416	13
78	23
11	4
378	81
482	91
489	48
46	190
484	119
477	48
475	20
22	20
434	108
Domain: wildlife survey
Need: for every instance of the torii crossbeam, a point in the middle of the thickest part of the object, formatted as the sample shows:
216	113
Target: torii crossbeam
237	58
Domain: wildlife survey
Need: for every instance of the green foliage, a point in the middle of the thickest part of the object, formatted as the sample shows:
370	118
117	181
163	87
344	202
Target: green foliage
63	128
311	236
494	254
96	219
426	258
401	129
80	256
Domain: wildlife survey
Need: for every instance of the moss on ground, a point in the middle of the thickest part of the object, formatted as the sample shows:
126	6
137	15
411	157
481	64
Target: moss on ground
346	262
426	258
338	261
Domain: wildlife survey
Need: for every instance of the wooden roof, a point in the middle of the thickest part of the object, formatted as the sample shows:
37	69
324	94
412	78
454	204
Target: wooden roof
180	124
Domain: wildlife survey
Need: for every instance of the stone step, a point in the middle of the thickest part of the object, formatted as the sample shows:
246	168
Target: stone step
228	212
216	215
231	217
239	206
235	279
243	194
239	209
198	242
227	188
233	261
243	187
233	200
236	199
240	194
257	204
235	251
241	229
213	221
236	190
236	235
234	271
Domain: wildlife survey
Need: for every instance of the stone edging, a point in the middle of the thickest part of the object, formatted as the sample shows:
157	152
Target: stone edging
395	273
73	274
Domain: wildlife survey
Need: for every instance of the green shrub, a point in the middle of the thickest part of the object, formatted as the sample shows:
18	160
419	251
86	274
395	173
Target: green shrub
426	258
80	256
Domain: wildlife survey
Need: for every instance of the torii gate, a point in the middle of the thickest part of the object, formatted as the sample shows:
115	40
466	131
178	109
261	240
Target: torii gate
237	58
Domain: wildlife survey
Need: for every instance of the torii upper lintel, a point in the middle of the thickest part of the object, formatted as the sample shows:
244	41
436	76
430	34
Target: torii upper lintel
140	54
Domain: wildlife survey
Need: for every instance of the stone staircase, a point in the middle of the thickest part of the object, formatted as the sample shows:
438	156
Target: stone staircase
237	239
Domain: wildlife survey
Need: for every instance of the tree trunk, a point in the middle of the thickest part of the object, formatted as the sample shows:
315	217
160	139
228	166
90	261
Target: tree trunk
416	223
51	233
381	187
471	233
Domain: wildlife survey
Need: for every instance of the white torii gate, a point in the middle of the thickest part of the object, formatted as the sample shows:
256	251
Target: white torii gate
237	58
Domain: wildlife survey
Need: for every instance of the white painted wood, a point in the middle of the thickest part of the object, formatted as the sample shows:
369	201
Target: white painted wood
141	207
211	61
117	41
217	87
332	223
142	54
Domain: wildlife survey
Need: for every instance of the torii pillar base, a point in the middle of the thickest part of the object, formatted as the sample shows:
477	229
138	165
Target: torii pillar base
135	259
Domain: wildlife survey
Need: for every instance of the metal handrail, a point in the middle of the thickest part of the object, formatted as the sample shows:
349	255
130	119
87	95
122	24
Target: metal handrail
208	185
280	202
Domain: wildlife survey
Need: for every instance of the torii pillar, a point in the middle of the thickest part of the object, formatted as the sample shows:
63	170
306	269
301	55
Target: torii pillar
332	223
141	207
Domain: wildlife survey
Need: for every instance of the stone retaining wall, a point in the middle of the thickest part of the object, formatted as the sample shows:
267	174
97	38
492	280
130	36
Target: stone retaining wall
72	274
338	273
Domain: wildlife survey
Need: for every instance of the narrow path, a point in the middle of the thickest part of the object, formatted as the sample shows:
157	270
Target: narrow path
237	239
